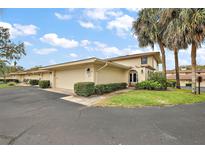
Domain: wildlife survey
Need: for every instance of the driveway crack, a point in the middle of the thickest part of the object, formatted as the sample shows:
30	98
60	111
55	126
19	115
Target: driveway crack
13	140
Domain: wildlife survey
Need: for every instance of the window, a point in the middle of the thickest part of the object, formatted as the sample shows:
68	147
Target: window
144	60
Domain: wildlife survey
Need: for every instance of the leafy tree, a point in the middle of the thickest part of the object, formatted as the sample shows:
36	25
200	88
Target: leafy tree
9	51
150	32
4	70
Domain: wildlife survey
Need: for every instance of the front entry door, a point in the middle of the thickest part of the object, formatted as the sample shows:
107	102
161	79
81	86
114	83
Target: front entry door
133	78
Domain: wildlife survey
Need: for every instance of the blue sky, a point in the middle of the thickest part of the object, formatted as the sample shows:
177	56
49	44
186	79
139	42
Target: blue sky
59	35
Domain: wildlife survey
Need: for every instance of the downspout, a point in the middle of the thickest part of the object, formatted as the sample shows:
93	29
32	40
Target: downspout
106	64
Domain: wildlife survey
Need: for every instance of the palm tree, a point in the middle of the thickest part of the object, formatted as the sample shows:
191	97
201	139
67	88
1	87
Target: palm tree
148	31
193	26
173	36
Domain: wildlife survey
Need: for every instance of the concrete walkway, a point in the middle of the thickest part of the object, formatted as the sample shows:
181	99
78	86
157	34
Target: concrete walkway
61	91
92	100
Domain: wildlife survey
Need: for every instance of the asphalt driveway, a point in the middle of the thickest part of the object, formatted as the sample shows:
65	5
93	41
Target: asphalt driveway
33	116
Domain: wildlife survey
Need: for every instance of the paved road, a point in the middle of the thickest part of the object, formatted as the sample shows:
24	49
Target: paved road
32	116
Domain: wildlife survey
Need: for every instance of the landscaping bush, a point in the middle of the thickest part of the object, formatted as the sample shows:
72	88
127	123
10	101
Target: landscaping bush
106	88
9	80
84	88
44	84
171	83
149	85
33	82
160	78
11	83
26	80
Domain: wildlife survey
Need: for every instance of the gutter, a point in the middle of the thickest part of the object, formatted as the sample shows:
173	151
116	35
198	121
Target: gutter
106	64
96	77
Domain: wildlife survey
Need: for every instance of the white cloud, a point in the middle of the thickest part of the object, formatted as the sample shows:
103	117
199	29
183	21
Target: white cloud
107	50
62	16
201	54
110	50
45	51
122	24
134	9
54	40
101	13
85	43
73	55
26	43
87	24
17	30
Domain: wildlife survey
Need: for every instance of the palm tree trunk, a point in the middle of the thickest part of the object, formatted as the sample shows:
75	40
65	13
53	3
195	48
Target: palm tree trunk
163	59
177	68
193	63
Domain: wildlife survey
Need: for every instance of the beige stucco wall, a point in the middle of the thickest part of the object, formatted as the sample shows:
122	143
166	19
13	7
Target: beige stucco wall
133	62
45	76
183	83
110	74
129	62
67	77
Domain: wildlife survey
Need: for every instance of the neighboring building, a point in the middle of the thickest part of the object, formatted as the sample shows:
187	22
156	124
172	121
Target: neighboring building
130	69
186	77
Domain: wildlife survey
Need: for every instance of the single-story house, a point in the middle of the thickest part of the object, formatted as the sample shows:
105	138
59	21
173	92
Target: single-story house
130	69
186	77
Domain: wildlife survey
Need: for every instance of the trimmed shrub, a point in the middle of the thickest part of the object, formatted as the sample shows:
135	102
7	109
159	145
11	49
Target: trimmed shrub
9	80
171	83
84	88
33	82
44	84
26	80
160	78
107	88
11	83
149	85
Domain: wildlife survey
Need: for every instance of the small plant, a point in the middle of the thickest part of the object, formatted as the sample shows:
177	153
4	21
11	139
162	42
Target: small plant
171	83
149	85
160	78
26	80
44	84
33	82
11	83
9	80
84	88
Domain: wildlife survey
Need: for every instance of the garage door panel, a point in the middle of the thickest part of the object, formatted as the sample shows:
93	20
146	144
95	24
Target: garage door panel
67	78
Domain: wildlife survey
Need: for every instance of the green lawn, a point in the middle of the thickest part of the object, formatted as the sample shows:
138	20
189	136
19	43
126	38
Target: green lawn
140	98
3	85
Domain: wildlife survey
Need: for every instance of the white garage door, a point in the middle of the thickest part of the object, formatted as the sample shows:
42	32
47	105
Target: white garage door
67	78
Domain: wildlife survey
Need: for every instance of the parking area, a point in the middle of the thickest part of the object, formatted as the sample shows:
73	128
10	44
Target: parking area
33	116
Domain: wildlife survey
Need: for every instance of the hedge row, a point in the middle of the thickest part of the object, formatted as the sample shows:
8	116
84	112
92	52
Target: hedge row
84	88
44	84
149	85
89	88
107	88
9	80
33	82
